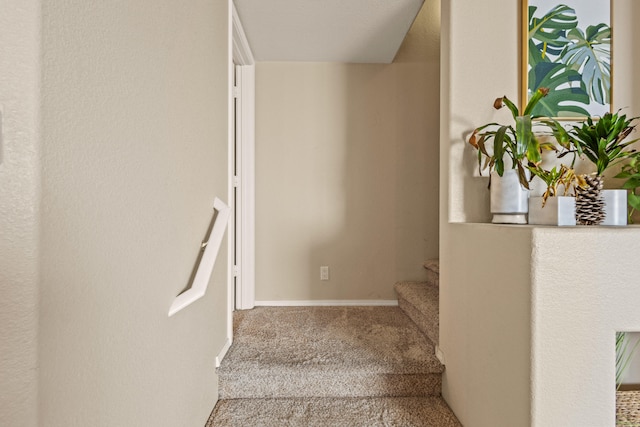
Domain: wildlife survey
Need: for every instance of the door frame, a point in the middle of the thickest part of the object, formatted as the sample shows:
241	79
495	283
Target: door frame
241	278
244	180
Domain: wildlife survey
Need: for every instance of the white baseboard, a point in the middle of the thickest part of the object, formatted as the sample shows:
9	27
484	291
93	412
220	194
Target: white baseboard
328	302
440	355
223	352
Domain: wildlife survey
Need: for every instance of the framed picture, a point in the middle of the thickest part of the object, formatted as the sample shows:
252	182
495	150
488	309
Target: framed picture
566	47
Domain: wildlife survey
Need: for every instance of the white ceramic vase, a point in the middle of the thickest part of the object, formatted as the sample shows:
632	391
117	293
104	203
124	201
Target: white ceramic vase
556	211
615	207
509	199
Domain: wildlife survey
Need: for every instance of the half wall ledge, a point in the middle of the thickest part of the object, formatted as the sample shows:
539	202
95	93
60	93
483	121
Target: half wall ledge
540	307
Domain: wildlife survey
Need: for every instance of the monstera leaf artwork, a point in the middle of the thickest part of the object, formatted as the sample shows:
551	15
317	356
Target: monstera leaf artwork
570	58
567	91
590	53
547	34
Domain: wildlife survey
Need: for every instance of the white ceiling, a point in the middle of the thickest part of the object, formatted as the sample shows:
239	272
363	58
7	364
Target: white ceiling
369	31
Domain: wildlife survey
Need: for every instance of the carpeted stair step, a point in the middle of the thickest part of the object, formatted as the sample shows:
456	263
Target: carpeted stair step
281	352
420	301
336	412
433	271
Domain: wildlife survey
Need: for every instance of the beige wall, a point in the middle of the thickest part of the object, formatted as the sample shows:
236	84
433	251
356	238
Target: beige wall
485	325
627	94
19	195
347	172
472	75
471	79
135	131
626	61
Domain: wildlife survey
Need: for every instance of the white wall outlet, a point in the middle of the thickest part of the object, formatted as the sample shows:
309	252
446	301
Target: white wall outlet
324	272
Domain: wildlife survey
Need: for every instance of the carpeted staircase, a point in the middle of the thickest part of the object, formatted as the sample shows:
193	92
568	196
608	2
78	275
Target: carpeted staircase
420	301
336	366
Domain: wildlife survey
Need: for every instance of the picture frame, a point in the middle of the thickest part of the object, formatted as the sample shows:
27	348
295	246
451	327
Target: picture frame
567	48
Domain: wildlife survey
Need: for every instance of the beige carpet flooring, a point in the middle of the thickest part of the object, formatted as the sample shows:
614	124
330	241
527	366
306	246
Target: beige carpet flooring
329	366
332	412
420	301
328	352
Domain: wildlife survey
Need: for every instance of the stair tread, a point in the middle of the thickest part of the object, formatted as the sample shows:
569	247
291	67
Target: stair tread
432	265
378	411
420	301
422	295
318	351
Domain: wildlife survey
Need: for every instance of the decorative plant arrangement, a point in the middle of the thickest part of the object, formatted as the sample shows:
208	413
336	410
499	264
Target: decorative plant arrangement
603	142
519	144
496	143
564	178
513	156
557	206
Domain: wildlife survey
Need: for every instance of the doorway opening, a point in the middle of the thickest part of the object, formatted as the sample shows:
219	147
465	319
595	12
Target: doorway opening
242	173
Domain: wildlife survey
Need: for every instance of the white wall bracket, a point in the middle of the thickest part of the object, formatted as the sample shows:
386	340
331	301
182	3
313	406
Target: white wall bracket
207	262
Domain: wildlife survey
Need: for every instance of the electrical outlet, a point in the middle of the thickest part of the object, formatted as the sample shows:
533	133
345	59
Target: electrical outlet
324	272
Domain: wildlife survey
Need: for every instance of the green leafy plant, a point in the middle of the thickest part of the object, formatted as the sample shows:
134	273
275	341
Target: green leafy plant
602	141
624	354
631	173
518	142
555	178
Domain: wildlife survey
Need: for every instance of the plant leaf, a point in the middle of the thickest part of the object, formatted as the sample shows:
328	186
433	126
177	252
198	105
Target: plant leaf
634	201
512	107
524	135
631	183
498	149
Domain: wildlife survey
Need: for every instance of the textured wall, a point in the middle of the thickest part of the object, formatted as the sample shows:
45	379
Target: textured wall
485	325
577	310
135	137
347	172
471	79
19	196
626	94
478	63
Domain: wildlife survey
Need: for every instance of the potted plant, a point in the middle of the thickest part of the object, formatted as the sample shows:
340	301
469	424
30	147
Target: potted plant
631	173
556	206
603	142
624	356
506	151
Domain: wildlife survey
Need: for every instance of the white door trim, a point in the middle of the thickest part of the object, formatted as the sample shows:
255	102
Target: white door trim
245	152
242	54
